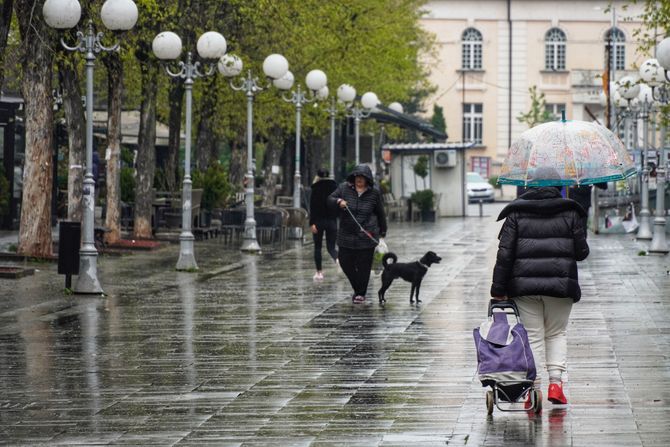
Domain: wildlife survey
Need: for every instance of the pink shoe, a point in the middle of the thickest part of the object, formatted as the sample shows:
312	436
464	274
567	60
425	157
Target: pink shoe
358	299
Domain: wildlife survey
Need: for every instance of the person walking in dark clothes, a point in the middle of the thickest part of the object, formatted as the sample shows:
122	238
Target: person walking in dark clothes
541	240
322	219
362	224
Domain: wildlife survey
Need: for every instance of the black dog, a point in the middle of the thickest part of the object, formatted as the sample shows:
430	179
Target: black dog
412	272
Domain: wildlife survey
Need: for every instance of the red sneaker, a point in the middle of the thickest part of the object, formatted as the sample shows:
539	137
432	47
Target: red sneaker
555	394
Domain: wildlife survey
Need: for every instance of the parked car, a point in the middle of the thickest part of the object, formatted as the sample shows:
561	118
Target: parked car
479	189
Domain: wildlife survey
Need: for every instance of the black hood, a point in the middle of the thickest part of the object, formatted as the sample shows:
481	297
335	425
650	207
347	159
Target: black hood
545	200
363	170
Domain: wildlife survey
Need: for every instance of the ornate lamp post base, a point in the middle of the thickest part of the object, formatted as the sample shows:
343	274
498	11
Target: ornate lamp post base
186	254
295	233
249	242
659	244
87	281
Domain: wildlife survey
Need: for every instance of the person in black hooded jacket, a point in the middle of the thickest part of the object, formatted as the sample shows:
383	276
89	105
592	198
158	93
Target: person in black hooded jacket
322	218
361	204
541	240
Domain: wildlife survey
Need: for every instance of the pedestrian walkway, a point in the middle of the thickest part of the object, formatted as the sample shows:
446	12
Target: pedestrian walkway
256	353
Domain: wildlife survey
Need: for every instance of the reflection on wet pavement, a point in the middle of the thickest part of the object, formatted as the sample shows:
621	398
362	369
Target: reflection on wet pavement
260	355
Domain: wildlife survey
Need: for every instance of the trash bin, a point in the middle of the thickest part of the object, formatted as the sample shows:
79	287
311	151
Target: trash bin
69	242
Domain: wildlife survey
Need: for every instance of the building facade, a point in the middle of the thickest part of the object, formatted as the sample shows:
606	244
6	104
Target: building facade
490	52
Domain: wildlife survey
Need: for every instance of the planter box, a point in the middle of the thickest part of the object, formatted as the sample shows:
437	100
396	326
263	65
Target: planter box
428	216
12	272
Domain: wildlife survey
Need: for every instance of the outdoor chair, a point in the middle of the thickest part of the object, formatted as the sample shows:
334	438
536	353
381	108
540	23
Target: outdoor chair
269	225
395	208
232	223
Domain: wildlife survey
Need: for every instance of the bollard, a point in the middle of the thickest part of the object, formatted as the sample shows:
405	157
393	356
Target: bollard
69	241
481	208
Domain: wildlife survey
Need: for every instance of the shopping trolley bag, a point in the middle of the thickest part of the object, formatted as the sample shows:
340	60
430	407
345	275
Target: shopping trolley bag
504	356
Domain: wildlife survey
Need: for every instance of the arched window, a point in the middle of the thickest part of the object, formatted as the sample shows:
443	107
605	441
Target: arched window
615	46
472	49
554	44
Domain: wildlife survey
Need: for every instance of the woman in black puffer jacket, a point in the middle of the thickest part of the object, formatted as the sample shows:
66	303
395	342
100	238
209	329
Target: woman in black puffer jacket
357	247
541	241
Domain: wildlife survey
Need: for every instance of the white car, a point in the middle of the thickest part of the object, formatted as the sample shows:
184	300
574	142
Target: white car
479	189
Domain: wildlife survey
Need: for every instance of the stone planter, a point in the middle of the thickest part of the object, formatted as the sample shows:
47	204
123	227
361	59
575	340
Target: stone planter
12	272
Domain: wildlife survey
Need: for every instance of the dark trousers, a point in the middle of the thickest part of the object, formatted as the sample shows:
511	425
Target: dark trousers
329	227
357	264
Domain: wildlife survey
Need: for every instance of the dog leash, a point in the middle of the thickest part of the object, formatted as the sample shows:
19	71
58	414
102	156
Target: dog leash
367	233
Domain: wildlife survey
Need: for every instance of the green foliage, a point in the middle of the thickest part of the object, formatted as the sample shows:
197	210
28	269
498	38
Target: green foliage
538	112
127	184
217	190
4	192
385	185
493	181
126	156
656	26
437	120
421	167
424	199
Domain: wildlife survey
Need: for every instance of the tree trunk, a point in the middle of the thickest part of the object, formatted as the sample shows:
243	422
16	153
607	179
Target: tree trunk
146	152
5	22
176	97
113	154
238	157
206	140
271	158
76	131
35	227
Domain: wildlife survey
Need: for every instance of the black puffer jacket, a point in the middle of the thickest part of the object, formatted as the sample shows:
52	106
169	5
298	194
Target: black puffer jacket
318	201
540	242
368	209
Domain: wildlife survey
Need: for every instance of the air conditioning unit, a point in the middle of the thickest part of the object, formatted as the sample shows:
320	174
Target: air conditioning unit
445	158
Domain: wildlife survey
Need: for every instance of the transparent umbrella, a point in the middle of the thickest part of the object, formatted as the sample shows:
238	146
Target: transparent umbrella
566	153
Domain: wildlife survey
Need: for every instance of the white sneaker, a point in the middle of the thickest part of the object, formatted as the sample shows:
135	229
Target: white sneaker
318	276
338	269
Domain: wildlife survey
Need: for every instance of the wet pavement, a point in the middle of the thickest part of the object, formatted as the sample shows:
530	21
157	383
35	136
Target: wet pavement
250	351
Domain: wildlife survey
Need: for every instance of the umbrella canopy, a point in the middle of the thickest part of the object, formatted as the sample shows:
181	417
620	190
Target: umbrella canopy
566	153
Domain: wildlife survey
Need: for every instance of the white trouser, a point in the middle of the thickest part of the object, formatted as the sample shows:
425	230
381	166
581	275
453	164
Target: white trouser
546	320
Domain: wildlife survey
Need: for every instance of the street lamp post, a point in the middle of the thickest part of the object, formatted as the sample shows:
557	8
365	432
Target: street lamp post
167	46
369	100
117	15
315	81
659	243
640	99
275	66
332	111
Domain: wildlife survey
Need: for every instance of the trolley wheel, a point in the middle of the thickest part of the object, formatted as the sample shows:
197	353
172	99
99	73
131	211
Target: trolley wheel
538	401
489	402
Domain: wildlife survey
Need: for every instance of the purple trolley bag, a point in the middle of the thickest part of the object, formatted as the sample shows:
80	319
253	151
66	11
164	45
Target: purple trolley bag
504	357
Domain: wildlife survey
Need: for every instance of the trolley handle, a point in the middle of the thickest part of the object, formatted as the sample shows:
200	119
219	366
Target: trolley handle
506	304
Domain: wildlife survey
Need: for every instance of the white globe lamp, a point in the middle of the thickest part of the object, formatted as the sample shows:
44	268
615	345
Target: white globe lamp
628	87
396	107
230	65
275	66
211	45
285	82
369	100
346	93
119	15
315	80
166	45
652	73
663	53
322	93
61	14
